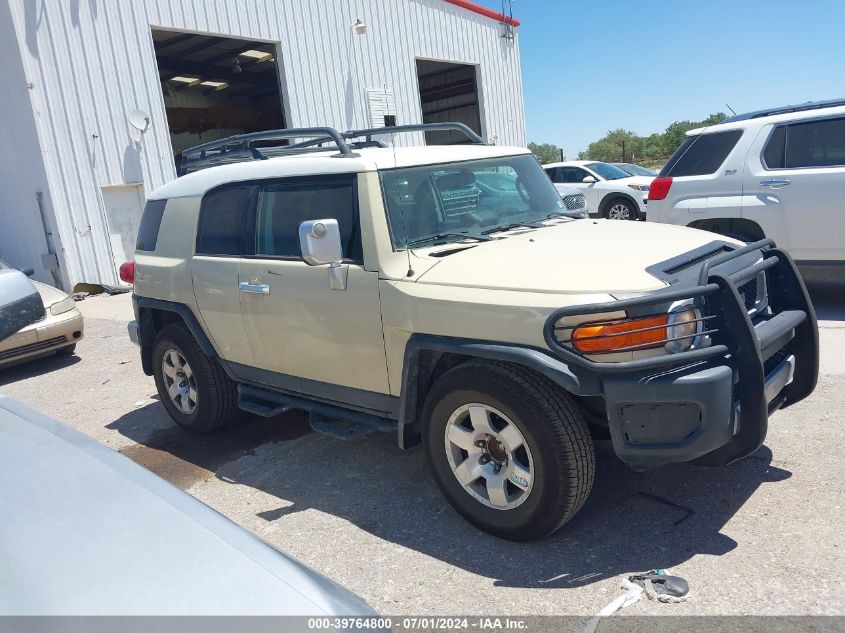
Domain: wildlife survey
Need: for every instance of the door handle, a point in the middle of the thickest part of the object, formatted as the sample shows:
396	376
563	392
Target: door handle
257	289
775	183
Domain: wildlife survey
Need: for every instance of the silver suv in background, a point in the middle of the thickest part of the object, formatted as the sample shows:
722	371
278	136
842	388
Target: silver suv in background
777	173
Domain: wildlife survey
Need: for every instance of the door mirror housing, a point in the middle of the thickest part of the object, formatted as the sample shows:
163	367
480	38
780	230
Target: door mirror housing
320	243
589	180
20	303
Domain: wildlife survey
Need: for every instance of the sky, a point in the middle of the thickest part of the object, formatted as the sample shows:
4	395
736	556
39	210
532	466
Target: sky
589	67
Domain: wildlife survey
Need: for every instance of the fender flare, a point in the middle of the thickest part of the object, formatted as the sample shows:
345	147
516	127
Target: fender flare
424	351
146	333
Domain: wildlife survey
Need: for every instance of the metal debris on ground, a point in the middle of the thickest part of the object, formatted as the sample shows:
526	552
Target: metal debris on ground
79	296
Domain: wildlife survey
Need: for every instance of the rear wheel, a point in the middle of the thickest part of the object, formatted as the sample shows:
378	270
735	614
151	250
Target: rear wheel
620	209
509	450
194	389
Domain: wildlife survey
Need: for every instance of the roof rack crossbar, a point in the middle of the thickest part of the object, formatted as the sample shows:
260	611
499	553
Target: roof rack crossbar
242	143
419	127
240	147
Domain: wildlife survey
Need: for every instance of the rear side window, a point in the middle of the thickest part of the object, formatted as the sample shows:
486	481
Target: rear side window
701	155
221	221
284	205
818	143
150	224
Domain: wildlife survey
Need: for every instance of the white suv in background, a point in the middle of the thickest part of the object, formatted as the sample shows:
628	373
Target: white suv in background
777	173
610	192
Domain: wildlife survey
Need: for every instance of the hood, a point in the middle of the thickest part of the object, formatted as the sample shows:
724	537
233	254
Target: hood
49	295
635	180
578	257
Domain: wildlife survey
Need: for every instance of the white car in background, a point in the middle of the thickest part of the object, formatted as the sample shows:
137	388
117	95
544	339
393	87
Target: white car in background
610	192
777	173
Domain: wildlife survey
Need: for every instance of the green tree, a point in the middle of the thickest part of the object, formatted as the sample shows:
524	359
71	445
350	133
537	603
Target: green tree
625	146
545	152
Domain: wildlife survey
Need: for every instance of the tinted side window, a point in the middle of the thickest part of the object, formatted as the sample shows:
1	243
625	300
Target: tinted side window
576	175
221	221
701	155
773	152
283	206
554	173
815	144
150	224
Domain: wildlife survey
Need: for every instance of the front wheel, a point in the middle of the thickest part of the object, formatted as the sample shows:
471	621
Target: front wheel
620	209
508	449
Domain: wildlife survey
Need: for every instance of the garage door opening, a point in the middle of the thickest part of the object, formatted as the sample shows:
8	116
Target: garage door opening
449	92
215	87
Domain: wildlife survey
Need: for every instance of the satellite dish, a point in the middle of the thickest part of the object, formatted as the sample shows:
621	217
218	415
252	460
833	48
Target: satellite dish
139	120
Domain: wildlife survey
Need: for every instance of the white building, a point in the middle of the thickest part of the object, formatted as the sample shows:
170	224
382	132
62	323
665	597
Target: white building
73	172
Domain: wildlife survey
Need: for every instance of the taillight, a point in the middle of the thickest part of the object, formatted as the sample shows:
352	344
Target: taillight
127	272
659	188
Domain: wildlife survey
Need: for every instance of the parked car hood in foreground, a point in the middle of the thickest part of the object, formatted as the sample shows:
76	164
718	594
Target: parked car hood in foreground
577	257
86	531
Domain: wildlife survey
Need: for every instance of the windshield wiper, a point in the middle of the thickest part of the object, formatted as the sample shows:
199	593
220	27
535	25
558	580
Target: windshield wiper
443	236
572	215
512	225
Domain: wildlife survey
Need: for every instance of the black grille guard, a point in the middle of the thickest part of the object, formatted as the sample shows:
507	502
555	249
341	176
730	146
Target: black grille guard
744	347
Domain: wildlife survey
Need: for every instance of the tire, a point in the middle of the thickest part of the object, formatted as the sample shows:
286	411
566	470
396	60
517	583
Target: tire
557	448
620	209
70	350
207	397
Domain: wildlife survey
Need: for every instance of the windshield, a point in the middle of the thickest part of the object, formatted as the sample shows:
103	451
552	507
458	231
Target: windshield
446	202
607	171
636	170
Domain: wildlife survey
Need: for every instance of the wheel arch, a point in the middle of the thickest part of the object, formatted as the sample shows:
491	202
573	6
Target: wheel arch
731	227
615	195
155	314
427	357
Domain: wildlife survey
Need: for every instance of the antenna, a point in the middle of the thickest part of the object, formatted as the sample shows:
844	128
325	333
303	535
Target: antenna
731	109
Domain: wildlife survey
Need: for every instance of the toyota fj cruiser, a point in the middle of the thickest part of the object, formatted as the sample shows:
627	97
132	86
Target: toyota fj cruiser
446	294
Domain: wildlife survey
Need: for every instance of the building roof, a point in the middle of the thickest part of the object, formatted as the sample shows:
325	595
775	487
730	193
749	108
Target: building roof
482	10
368	159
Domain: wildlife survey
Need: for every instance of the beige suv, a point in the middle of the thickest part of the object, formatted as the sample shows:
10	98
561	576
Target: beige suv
446	294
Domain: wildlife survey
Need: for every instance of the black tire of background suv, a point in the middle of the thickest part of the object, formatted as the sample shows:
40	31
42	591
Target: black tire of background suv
216	393
553	427
633	211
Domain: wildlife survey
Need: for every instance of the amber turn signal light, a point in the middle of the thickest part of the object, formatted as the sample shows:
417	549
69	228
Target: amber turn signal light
612	336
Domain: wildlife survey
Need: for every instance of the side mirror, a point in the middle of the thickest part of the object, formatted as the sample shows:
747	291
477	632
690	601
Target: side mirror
20	303
319	241
589	179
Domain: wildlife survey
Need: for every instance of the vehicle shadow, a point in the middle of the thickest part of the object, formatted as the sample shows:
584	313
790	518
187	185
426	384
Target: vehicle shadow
631	522
35	367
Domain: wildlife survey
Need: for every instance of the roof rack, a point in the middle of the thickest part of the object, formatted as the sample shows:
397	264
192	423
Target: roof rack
242	147
801	107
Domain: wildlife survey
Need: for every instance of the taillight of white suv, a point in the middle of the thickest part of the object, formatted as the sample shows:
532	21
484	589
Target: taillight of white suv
659	188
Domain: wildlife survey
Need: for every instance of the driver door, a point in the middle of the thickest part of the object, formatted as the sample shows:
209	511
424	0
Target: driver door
306	335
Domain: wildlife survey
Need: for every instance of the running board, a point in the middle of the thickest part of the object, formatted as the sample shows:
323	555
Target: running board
336	421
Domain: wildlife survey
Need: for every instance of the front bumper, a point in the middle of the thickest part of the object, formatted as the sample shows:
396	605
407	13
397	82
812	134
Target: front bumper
710	404
44	337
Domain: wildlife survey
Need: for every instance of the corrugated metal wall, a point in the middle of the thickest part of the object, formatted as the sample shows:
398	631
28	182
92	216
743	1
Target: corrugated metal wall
93	61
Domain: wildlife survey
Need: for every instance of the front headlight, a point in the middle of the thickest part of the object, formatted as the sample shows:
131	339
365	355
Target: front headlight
683	331
639	187
60	307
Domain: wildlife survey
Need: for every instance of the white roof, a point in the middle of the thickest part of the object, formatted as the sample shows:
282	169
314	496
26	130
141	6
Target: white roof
368	159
